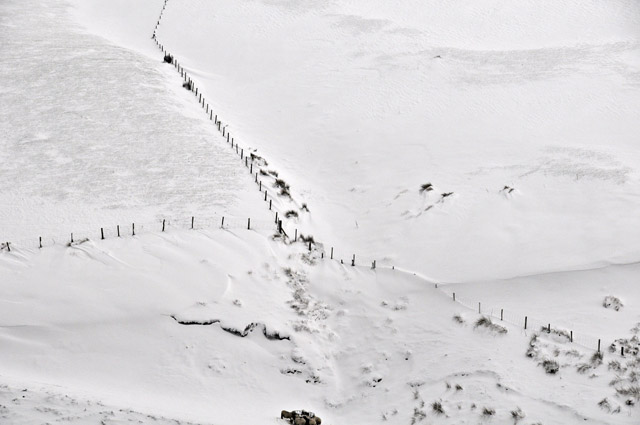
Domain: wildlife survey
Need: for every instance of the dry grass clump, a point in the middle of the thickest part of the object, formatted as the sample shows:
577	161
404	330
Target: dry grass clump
550	366
488	411
427	187
612	302
487	323
458	319
436	406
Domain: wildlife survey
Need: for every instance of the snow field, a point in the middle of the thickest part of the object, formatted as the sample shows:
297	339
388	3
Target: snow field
99	135
231	326
360	104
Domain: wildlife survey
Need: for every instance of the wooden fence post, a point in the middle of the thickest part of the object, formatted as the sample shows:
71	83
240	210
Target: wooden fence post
295	238
598	346
265	194
192	219
501	314
525	322
133	229
102	233
332	253
8	246
249	224
270	200
309	245
276	217
479	309
163	225
454	296
353	260
280	226
40	239
222	225
72	238
571	337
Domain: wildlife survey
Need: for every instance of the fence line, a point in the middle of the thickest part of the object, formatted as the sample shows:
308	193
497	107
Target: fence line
526	322
138	228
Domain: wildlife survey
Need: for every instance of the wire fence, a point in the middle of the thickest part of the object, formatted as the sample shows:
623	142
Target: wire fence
526	322
138	228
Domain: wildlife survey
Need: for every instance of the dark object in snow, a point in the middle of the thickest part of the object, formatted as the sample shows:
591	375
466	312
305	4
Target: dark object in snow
187	85
168	58
301	417
427	187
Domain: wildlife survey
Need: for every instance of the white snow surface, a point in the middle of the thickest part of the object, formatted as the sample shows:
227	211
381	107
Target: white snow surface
355	104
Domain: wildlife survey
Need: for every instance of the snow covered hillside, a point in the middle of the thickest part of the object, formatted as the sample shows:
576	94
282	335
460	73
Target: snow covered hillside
361	103
97	135
483	152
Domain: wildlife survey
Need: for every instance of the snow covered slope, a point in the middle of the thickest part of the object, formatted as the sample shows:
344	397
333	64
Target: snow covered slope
97	135
360	103
357	105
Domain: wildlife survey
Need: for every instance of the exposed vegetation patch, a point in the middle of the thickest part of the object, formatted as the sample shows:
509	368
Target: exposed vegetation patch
612	302
485	322
427	187
291	214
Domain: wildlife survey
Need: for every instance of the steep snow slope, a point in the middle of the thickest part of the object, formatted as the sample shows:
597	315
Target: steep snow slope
360	103
96	135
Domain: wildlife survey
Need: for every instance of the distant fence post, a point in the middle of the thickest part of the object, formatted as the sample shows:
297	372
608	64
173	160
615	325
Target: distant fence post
8	246
222	224
571	336
276	216
295	238
133	229
598	346
525	322
353	260
280	226
40	239
192	220
72	238
163	225
248	224
501	314
332	253
102	233
118	227
270	200
309	245
479	309
454	296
